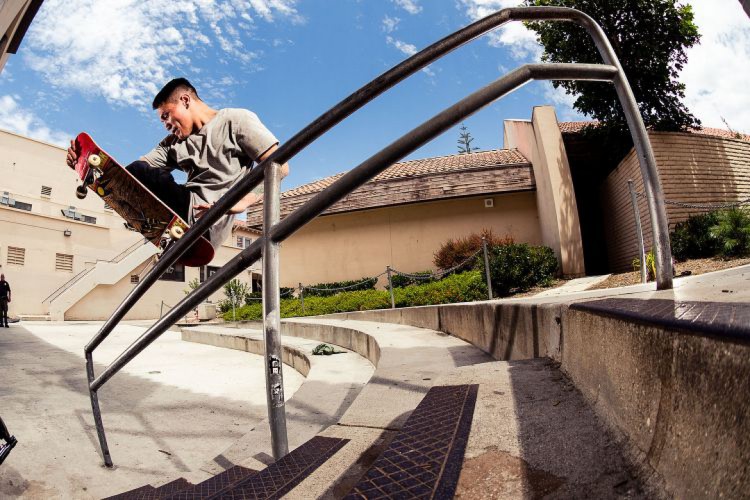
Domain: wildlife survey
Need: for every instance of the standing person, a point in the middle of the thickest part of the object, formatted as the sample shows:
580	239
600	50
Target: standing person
215	148
4	301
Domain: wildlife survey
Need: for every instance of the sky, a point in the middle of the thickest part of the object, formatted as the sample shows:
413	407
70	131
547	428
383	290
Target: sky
95	65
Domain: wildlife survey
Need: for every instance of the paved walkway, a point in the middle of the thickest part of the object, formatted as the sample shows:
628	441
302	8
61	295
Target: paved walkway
175	405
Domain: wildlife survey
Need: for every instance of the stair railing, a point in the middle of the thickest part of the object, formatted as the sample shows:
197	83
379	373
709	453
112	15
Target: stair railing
275	231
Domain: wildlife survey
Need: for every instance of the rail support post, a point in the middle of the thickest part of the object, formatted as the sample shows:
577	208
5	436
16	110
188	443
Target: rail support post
487	267
638	231
390	286
272	314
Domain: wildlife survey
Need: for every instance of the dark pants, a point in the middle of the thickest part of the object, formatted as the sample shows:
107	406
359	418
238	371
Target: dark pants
3	312
162	184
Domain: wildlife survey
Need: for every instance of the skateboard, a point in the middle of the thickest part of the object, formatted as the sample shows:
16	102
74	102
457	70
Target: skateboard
142	210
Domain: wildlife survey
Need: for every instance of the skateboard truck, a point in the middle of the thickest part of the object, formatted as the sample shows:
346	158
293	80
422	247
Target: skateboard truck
94	161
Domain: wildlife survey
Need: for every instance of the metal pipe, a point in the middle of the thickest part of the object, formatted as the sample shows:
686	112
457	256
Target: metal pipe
97	413
272	314
638	231
487	267
302	297
353	179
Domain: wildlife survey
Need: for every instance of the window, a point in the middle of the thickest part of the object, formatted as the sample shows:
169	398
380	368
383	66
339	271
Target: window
207	272
174	273
107	207
63	262
46	191
243	242
71	213
8	201
134	278
16	256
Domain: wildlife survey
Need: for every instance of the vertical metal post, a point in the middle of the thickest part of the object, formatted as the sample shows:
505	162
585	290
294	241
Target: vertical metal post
487	267
390	286
97	412
272	314
638	231
161	309
302	297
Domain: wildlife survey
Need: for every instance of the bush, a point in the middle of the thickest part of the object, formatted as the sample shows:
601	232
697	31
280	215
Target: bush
732	232
353	285
519	267
400	281
253	297
235	292
692	238
453	252
456	288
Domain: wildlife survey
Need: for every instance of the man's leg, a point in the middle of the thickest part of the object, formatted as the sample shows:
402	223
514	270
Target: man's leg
162	184
4	313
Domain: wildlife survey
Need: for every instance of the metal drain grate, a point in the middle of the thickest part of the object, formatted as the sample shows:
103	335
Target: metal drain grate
213	485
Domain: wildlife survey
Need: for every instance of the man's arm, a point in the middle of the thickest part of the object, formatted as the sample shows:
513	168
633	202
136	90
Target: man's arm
257	194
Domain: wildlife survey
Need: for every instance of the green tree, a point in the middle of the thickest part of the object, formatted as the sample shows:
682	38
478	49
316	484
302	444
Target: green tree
464	141
650	38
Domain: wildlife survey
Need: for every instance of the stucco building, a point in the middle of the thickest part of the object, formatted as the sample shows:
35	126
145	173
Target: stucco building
67	258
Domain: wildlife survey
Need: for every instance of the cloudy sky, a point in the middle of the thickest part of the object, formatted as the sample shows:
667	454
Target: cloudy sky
94	65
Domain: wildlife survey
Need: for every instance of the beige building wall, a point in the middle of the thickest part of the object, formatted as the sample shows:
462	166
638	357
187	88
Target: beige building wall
11	13
692	168
540	141
44	232
360	244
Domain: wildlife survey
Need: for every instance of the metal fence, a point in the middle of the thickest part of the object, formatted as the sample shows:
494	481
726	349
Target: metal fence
276	231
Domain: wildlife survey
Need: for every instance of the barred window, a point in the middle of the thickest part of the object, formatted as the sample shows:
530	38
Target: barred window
243	242
72	213
134	278
63	262
46	191
107	207
174	273
16	256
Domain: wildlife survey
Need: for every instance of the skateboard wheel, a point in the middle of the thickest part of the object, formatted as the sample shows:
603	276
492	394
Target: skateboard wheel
100	191
81	192
95	160
176	232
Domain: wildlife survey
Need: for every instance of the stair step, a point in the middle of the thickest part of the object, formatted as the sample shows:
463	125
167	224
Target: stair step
213	485
280	477
167	490
424	459
134	494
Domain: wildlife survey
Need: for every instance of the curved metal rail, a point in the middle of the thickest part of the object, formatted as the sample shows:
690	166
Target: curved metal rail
276	232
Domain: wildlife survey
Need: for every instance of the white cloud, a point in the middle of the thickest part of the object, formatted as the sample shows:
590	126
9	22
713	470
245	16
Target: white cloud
23	122
515	36
715	76
124	50
410	6
390	24
404	47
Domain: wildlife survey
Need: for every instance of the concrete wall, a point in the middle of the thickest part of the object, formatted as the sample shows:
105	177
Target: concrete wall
358	244
26	166
11	13
692	168
541	141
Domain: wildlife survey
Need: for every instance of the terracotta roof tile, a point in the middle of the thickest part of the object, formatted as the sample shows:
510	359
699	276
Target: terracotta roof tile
425	166
575	127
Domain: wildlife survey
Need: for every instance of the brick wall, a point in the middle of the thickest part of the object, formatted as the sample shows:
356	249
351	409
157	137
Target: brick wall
692	168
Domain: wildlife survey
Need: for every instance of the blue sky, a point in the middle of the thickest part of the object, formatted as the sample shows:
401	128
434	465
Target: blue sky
94	65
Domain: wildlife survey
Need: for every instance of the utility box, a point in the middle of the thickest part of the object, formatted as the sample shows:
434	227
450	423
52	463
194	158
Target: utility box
206	311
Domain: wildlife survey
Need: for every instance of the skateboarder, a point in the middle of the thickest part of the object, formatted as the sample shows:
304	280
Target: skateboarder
215	148
4	300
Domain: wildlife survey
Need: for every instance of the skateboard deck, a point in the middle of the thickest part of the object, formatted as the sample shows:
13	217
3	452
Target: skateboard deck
134	202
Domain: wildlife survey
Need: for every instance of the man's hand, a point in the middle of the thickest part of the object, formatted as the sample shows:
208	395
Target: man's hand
240	207
72	155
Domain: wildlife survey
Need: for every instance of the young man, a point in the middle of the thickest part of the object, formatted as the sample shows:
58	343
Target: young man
4	300
213	147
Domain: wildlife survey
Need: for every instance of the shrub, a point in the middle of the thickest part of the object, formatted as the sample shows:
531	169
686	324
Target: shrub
520	267
692	238
365	283
456	288
453	252
400	281
235	292
732	232
253	297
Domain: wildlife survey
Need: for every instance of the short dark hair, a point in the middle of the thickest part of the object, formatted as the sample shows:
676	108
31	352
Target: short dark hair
166	92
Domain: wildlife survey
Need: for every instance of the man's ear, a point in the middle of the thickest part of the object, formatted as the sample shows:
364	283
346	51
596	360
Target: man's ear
185	99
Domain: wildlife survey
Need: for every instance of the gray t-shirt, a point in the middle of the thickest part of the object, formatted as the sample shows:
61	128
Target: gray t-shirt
214	159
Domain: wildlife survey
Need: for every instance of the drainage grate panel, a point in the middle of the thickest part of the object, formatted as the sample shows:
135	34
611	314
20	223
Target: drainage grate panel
424	459
213	485
280	477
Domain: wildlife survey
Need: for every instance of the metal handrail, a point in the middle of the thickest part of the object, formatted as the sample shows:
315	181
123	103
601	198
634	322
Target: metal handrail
72	281
274	233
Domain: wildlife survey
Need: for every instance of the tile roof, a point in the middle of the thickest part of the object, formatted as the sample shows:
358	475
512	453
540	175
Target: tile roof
425	166
575	127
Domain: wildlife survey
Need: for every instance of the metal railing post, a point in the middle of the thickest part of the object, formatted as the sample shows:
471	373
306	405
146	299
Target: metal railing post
272	313
302	297
487	267
390	286
638	232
